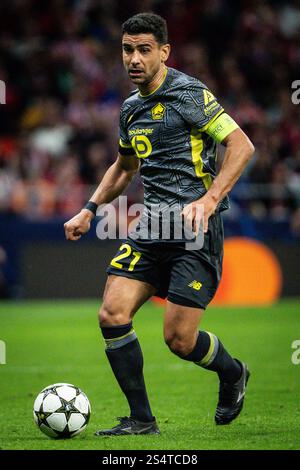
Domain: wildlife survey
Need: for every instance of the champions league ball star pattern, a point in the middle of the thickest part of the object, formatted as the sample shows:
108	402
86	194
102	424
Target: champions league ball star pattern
61	410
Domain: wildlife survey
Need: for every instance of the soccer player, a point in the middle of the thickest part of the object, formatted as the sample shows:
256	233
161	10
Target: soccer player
169	130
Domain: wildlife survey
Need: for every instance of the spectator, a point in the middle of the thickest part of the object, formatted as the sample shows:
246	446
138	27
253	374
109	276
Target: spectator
65	83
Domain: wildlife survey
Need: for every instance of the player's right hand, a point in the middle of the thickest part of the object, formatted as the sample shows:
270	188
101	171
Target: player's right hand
78	225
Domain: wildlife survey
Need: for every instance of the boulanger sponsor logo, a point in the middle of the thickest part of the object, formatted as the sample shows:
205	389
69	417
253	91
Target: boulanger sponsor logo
155	222
142	146
296	354
2	352
296	94
2	92
148	131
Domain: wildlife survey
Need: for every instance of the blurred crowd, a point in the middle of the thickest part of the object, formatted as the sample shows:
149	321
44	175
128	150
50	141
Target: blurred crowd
61	62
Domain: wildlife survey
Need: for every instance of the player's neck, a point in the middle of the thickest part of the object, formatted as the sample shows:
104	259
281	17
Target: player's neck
155	83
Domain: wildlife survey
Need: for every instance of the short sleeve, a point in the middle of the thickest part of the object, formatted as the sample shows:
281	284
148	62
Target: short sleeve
199	106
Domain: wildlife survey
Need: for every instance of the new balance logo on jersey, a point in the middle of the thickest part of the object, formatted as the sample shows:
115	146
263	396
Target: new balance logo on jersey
208	97
195	285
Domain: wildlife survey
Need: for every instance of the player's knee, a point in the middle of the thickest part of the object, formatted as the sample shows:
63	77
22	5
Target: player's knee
178	345
109	316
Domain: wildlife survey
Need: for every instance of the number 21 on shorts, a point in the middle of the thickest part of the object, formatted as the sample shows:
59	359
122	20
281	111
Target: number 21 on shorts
127	251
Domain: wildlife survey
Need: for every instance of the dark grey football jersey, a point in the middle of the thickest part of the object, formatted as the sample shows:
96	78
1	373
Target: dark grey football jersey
167	131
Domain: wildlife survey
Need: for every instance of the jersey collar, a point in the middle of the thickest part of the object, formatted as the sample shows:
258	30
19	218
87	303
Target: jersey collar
159	86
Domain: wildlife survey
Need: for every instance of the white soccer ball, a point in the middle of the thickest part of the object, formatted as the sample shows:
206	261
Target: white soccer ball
61	410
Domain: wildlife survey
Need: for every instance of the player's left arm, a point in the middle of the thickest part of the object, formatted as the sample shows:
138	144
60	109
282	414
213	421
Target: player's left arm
202	110
239	150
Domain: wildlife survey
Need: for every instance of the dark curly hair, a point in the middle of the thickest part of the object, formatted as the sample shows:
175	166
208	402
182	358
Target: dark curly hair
147	23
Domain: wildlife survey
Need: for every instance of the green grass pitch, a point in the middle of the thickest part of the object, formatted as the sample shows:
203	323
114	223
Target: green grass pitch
59	341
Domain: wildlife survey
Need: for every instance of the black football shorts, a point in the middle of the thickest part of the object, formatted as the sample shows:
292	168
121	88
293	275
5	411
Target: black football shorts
185	277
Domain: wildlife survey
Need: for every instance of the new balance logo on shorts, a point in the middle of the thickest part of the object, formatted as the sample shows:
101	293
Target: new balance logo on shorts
195	285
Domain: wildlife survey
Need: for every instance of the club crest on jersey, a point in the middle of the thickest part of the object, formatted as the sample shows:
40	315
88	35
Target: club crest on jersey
158	111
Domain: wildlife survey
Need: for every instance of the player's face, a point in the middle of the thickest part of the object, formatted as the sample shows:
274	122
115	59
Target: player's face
143	57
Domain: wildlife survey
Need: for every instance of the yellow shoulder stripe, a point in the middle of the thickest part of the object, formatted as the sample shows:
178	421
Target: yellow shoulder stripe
197	149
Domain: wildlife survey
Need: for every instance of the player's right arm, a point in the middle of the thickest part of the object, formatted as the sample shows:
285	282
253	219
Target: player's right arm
114	182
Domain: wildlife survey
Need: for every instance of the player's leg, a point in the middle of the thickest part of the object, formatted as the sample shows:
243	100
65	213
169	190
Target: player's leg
182	335
181	328
122	298
206	350
194	279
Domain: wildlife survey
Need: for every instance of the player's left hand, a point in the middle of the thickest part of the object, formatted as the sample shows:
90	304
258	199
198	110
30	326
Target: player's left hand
199	211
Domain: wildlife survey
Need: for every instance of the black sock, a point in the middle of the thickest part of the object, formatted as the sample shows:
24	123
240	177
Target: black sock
126	360
210	353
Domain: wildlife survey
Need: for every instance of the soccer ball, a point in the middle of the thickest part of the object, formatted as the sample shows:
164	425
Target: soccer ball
61	410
